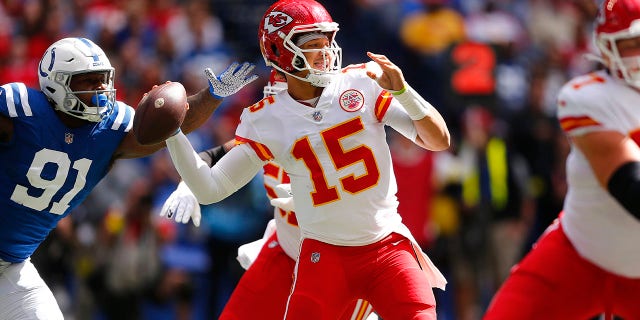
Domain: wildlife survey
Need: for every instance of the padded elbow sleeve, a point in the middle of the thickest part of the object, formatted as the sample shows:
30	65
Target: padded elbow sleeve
624	185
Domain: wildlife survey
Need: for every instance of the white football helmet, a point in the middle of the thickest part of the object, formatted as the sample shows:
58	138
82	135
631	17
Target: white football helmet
68	57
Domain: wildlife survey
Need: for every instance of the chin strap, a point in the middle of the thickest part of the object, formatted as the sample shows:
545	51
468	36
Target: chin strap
316	80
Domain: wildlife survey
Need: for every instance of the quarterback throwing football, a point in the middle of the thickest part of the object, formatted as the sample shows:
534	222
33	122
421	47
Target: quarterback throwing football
327	131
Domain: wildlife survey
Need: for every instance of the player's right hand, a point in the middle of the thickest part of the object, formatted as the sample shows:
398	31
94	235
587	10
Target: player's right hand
182	205
284	200
391	77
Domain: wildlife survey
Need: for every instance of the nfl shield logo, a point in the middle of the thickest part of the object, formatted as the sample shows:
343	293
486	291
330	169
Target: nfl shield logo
315	257
317	116
68	138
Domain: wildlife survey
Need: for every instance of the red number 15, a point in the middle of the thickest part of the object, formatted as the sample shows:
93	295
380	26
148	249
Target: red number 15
323	193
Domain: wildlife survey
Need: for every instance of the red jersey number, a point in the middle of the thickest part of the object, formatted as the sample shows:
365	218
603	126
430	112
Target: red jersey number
323	193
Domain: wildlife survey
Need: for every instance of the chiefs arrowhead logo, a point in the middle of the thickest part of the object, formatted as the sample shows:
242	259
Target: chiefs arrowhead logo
276	20
351	100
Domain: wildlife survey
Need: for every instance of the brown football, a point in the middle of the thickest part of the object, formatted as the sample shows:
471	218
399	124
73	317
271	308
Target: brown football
160	113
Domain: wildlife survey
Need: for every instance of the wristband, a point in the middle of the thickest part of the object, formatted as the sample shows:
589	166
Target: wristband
399	92
175	133
413	103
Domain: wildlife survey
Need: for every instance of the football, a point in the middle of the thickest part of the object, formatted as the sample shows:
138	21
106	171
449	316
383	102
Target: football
160	113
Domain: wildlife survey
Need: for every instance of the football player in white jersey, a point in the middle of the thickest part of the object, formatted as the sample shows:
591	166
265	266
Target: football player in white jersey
588	262
56	144
327	131
266	285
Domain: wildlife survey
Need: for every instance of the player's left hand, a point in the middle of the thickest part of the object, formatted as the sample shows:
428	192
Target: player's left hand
391	77
231	80
182	205
284	200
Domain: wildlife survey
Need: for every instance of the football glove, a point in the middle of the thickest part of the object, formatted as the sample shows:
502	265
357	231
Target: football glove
284	200
182	205
231	80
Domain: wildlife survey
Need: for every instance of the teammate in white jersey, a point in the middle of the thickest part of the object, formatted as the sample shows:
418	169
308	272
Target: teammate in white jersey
269	261
588	261
56	144
328	133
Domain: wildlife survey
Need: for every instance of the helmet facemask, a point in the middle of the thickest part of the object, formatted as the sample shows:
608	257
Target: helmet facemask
101	104
332	54
627	68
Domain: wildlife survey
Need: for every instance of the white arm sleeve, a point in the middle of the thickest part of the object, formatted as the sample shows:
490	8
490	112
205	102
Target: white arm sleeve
416	106
210	185
398	119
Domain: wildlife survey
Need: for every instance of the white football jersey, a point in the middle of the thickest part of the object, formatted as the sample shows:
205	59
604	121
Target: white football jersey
336	156
599	227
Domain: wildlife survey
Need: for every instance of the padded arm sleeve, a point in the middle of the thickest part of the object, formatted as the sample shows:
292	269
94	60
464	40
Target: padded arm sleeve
624	185
211	185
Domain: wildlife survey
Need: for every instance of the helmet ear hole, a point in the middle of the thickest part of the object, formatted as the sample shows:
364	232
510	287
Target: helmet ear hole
298	62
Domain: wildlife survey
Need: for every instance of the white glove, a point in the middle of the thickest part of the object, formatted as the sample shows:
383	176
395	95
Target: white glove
231	80
248	253
284	200
183	205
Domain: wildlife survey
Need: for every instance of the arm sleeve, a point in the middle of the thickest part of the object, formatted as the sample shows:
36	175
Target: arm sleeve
624	185
398	119
416	106
213	184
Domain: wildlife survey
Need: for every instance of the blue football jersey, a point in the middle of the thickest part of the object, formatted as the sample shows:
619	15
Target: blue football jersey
47	169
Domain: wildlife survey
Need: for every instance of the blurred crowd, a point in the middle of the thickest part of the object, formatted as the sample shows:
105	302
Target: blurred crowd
491	67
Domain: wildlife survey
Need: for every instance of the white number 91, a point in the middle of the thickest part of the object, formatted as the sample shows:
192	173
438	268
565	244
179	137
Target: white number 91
51	186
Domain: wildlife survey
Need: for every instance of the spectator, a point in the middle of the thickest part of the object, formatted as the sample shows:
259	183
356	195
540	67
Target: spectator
494	212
